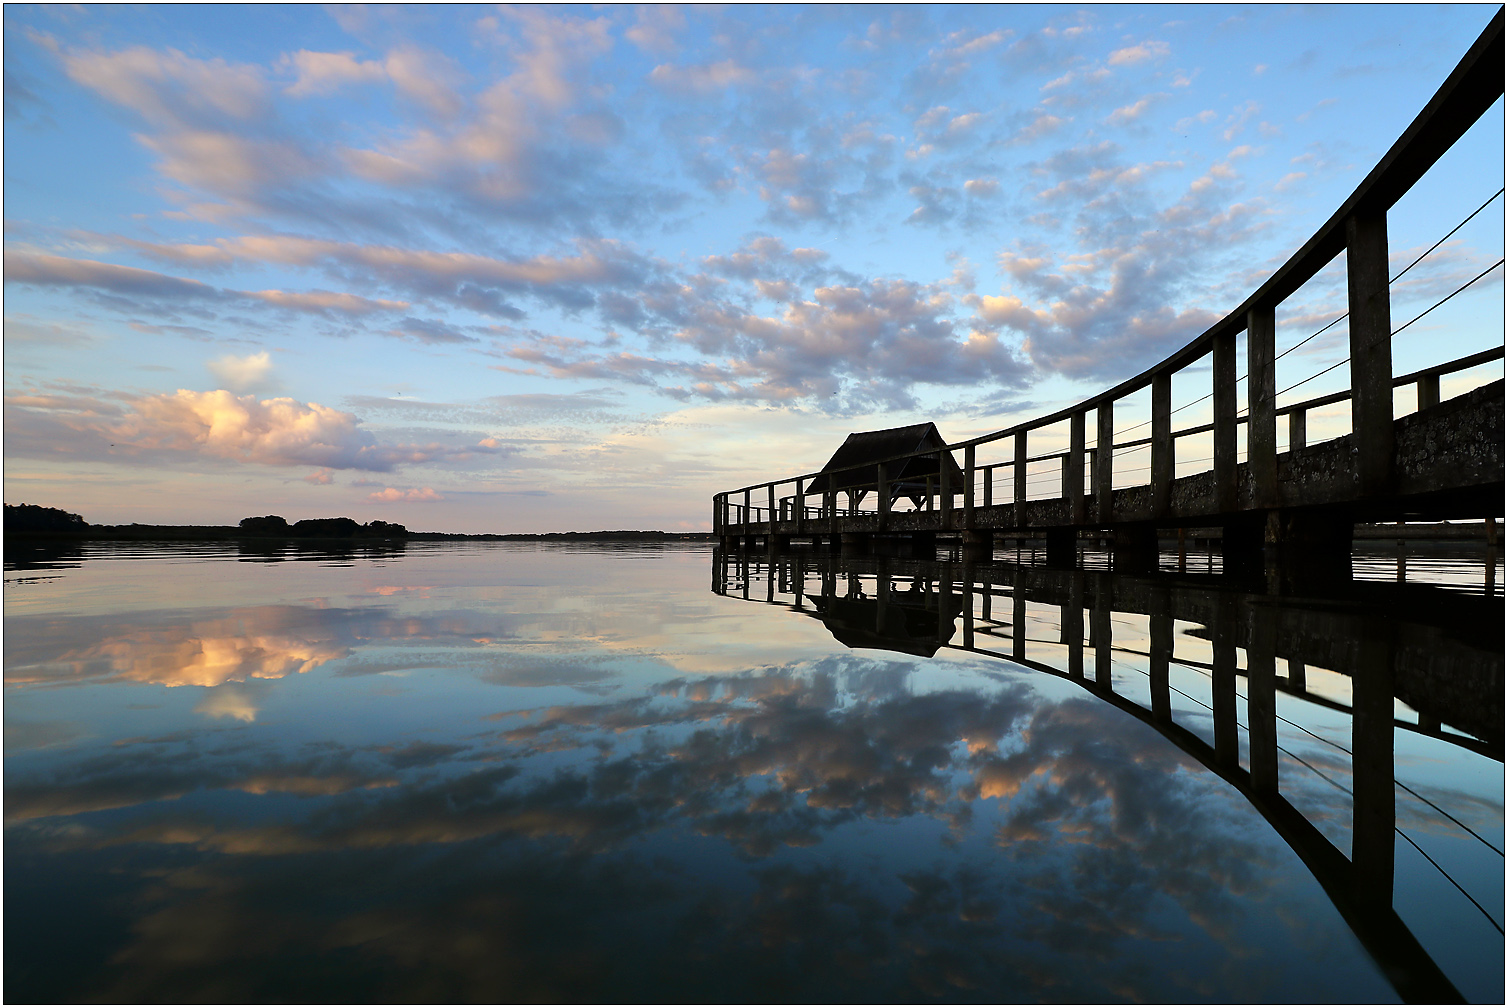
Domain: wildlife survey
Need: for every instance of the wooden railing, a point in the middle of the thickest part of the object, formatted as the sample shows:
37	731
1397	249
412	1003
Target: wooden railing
1358	228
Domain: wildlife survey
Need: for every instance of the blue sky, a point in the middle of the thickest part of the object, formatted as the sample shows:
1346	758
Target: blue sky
550	268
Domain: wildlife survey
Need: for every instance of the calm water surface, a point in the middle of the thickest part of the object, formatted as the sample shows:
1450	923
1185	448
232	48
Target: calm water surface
471	772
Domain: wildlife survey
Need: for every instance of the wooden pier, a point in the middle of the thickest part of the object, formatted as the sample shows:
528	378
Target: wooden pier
1442	461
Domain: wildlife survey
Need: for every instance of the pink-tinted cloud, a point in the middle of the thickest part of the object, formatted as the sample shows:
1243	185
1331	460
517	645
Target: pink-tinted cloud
413	495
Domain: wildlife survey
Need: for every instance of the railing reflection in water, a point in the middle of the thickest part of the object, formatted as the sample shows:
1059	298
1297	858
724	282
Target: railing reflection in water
1174	651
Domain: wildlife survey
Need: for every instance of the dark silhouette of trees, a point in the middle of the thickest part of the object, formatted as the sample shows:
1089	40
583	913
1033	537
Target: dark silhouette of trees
34	518
272	525
321	528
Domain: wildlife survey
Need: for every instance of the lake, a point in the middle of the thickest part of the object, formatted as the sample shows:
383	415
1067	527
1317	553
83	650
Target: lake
522	773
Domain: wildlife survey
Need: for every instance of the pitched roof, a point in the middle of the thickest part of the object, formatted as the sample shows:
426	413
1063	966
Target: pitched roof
871	446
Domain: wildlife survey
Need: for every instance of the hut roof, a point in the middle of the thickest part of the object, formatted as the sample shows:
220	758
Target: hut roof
907	627
871	446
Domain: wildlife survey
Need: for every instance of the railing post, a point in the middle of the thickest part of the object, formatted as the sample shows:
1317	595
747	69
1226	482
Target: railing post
771	497
799	503
746	514
830	503
717	515
1224	381
1075	470
968	487
1428	389
945	488
1261	421
1019	479
1371	347
989	488
1297	435
1104	469
882	488
1162	443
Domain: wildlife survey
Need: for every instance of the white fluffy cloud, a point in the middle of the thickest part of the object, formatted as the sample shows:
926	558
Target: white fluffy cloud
241	374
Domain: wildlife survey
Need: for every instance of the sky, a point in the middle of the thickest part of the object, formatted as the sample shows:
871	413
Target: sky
533	269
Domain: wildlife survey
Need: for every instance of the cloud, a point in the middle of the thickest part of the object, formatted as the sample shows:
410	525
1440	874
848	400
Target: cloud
228	702
413	495
461	279
872	341
57	271
240	374
207	425
1130	113
710	77
45	270
1141	53
421	76
167	87
656	26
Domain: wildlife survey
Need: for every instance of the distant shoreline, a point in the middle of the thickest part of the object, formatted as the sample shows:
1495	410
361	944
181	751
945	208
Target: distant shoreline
201	533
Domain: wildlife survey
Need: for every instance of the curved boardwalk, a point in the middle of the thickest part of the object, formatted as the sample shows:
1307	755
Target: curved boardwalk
1443	460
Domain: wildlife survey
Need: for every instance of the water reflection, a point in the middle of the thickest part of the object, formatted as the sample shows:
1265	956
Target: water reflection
478	774
1408	658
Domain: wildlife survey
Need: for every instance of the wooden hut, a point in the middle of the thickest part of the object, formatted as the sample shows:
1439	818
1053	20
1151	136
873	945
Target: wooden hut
916	478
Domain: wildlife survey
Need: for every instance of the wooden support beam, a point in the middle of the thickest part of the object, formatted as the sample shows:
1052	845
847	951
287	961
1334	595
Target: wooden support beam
771	514
882	489
1076	507
1104	639
1162	443
989	486
1104	462
968	487
799	502
1161	626
1261	400
1018	622
1261	699
1371	348
1297	435
1072	616
1223	701
1020	479
1224	381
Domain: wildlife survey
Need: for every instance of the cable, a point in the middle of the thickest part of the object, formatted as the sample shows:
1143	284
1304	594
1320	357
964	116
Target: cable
1391	281
1442	241
1452	881
1447	297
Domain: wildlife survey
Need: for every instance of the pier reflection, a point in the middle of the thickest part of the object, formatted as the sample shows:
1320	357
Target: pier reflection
1244	680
